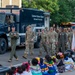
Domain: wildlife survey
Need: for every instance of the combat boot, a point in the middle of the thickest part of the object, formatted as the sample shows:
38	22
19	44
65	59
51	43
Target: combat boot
40	53
32	53
25	56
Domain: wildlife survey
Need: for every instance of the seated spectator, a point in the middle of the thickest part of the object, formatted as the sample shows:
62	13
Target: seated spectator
26	69
13	70
50	64
55	62
69	64
44	67
35	68
60	64
9	72
38	59
19	71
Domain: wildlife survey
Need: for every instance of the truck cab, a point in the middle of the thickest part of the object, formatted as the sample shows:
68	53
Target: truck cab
6	22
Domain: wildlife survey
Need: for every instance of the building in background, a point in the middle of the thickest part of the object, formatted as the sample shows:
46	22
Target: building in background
4	3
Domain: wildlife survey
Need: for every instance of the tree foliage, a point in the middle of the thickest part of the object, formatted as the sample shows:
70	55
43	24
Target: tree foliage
60	10
46	5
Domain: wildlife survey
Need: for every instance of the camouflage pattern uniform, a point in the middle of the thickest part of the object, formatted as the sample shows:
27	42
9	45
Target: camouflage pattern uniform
43	43
29	42
13	44
69	38
53	39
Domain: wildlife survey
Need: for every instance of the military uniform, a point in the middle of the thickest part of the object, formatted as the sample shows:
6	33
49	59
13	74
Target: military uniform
43	43
53	39
14	36
29	43
69	41
62	40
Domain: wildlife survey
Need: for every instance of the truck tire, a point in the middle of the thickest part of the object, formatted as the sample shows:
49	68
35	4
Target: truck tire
3	45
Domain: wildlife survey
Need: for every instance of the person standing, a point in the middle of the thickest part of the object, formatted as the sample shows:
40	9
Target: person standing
69	37
14	35
62	40
73	39
66	31
29	43
46	30
38	38
43	42
53	39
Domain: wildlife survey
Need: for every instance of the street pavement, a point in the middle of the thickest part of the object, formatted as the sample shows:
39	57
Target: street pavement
4	59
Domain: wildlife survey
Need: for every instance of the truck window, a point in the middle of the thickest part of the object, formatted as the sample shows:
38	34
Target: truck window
2	18
9	19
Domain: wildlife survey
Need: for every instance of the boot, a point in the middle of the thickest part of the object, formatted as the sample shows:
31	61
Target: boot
32	53
25	56
40	53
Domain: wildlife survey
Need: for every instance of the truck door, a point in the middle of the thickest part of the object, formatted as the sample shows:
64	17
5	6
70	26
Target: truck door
9	21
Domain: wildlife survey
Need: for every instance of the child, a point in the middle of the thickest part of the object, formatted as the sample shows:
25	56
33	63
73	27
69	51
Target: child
26	69
9	72
69	64
19	71
55	62
44	67
35	68
60	64
50	64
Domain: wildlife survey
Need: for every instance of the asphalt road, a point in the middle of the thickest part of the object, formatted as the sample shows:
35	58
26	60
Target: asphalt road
4	59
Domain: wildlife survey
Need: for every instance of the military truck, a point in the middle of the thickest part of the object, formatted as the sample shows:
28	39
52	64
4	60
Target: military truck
21	18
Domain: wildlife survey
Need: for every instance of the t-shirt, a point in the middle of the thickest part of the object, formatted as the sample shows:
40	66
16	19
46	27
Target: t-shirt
44	69
18	74
27	73
36	70
68	63
51	67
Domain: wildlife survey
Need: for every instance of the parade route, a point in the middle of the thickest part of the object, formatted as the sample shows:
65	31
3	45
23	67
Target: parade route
4	59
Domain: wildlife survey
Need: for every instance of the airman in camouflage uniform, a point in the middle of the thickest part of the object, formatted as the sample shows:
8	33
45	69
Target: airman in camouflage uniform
69	37
43	43
46	30
13	36
53	39
29	42
66	32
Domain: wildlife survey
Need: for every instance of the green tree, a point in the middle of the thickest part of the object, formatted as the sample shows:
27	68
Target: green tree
64	14
71	4
46	5
60	10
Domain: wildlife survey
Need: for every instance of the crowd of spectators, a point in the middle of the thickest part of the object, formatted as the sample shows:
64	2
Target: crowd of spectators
45	66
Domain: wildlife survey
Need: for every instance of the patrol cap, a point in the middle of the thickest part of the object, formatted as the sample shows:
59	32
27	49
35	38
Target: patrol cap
13	26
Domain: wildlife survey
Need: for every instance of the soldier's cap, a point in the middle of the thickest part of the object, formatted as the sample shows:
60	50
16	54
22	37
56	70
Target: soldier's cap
28	27
13	26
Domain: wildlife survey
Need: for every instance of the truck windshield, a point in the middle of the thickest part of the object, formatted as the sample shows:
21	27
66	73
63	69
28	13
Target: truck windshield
2	18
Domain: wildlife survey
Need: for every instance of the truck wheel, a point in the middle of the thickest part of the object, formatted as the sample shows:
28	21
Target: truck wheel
3	45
